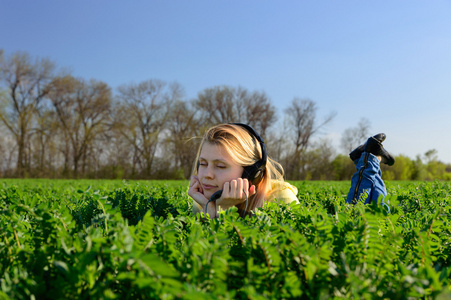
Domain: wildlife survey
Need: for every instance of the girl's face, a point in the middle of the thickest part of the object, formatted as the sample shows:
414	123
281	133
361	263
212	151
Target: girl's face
216	168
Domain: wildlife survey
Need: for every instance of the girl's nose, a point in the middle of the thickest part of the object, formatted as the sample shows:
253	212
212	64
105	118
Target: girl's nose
208	172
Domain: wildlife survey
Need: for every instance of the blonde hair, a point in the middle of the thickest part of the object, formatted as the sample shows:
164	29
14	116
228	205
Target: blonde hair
245	150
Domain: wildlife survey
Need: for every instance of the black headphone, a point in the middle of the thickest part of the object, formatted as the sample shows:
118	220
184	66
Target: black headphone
254	173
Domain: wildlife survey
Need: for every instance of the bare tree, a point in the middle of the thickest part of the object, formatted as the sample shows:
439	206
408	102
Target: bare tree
25	82
182	128
44	151
140	119
83	110
62	95
256	110
216	105
224	104
352	137
300	118
118	153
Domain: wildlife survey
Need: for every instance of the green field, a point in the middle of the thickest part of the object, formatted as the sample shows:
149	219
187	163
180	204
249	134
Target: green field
68	239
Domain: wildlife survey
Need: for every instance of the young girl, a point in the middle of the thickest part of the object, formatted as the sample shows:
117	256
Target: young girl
233	169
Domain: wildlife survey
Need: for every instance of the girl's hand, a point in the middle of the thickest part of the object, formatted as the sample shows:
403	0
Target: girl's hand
234	192
195	191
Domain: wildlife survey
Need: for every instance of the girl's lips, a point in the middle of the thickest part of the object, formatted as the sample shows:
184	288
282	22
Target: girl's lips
208	187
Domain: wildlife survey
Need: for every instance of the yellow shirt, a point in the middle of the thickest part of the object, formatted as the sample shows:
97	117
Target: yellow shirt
281	191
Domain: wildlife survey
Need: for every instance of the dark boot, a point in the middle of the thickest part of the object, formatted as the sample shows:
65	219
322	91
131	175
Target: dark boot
357	152
374	146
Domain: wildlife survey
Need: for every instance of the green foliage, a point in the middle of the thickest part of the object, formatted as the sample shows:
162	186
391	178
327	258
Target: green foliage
139	240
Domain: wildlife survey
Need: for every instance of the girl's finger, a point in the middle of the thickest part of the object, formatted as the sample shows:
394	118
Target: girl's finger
239	189
196	185
252	190
226	190
194	179
233	186
246	185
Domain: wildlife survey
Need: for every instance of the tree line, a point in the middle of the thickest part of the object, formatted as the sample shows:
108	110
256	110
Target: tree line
56	125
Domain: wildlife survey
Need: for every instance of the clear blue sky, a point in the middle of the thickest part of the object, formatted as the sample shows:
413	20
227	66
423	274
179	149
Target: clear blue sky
387	61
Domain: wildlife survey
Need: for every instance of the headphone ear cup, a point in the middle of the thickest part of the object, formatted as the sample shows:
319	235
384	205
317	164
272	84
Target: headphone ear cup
253	173
248	172
257	177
